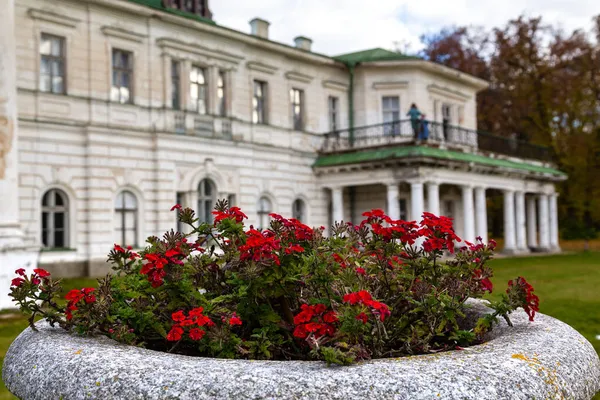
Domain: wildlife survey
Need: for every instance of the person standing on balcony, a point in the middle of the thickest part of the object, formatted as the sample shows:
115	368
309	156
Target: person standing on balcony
414	115
423	128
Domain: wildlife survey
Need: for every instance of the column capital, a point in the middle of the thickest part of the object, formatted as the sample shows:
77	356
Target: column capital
416	181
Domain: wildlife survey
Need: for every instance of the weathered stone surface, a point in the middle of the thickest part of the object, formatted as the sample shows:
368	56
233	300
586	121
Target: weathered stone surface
545	359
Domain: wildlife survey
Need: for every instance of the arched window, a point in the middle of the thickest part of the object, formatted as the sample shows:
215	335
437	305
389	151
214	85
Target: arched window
55	219
126	218
207	197
264	209
299	210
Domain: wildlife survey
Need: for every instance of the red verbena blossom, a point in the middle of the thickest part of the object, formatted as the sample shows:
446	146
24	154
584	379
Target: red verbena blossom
360	271
314	320
154	268
294	248
530	302
484	282
196	333
75	296
194	317
234	320
364	297
438	232
175	333
260	246
362	317
17	282
176	207
293	229
232	212
20	271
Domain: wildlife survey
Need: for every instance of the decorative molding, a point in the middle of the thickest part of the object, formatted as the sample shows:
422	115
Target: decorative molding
54	18
390	85
298	76
335	85
193	48
258	66
447	92
123	34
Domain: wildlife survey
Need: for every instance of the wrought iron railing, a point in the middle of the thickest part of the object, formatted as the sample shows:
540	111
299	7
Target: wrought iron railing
405	132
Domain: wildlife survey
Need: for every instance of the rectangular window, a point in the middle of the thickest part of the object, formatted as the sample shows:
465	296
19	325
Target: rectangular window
198	89
333	113
297	102
447	112
390	106
259	103
122	76
176	85
403	209
52	64
179	200
221	94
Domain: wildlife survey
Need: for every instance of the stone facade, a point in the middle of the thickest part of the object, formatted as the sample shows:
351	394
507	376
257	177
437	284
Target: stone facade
94	144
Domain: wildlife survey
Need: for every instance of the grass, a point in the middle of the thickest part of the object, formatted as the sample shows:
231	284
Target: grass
567	285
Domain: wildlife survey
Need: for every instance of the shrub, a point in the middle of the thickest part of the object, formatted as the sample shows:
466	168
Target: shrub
373	290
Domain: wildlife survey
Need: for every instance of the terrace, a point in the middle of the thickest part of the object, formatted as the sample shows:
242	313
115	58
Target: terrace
400	133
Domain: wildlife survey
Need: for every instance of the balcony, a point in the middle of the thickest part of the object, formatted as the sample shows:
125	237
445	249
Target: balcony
400	133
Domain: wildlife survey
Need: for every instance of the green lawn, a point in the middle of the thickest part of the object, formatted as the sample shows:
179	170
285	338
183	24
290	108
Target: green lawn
566	284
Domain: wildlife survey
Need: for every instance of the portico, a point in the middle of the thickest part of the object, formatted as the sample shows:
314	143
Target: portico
408	187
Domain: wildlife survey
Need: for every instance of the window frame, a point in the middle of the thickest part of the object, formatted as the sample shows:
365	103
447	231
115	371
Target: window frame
333	110
263	215
62	58
122	71
259	103
222	93
52	209
124	211
204	86
297	117
302	210
176	84
394	128
203	198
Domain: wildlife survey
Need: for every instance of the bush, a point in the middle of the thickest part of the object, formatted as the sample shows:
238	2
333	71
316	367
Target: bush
373	290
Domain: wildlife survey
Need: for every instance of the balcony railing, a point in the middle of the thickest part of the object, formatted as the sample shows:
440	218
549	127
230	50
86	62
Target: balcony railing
403	132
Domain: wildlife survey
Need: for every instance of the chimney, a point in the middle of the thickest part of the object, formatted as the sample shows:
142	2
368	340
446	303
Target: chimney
259	27
303	43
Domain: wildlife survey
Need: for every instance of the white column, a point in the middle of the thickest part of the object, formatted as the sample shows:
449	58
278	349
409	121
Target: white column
13	254
520	221
481	214
468	214
393	205
553	206
531	222
337	203
544	221
509	222
433	198
417	201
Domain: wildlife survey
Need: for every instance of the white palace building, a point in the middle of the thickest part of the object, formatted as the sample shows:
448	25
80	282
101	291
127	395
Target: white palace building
111	111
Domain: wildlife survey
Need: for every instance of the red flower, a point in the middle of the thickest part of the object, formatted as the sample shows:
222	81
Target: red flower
260	246
178	316
361	271
294	249
484	282
20	271
234	320
524	292
172	253
175	333
362	317
119	249
330	317
176	207
196	333
17	282
42	273
301	332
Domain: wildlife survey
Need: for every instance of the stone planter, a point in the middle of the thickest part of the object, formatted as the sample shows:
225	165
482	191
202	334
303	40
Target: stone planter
546	359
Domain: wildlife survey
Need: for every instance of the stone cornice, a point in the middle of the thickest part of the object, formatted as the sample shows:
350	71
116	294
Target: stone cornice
390	85
335	85
51	17
258	66
447	92
193	48
123	34
298	76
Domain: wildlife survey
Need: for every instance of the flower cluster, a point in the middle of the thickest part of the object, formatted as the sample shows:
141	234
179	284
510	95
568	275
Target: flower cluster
363	297
77	295
524	291
221	289
195	319
314	320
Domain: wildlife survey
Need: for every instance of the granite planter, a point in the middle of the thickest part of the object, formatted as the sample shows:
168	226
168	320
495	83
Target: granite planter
546	359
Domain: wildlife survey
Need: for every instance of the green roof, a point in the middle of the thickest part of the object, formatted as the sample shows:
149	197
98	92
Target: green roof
376	54
422	151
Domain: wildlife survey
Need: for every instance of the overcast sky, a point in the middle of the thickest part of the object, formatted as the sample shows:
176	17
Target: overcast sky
341	26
